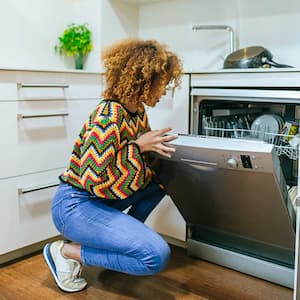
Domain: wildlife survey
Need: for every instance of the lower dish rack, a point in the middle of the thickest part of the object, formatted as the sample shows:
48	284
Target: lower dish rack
284	144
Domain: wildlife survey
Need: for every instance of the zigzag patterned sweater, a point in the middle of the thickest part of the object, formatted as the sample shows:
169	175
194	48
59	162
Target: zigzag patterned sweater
103	160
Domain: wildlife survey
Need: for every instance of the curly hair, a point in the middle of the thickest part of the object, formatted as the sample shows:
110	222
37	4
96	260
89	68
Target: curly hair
135	68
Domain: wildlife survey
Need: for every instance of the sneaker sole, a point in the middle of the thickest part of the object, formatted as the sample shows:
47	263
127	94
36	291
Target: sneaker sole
49	260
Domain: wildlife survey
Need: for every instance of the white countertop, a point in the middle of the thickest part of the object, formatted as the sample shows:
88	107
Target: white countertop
250	70
49	70
201	71
273	77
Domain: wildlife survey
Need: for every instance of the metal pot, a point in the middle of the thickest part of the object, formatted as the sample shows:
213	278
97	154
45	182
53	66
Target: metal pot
251	57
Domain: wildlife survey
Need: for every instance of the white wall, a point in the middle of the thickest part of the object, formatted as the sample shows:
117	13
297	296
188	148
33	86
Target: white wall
273	24
29	29
119	20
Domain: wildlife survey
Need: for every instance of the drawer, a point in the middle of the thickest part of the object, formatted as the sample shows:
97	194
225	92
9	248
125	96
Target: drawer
40	91
59	86
39	135
26	85
25	216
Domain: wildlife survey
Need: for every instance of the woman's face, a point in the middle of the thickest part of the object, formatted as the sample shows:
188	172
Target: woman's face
159	89
157	94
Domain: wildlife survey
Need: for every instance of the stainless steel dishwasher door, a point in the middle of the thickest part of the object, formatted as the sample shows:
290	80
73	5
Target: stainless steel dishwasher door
233	195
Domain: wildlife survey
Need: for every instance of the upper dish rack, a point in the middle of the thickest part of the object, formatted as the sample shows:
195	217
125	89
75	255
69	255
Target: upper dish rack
282	142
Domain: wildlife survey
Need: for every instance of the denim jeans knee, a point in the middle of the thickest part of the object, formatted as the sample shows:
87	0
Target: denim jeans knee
158	258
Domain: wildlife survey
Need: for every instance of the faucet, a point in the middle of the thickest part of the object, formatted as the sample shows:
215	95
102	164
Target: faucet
219	27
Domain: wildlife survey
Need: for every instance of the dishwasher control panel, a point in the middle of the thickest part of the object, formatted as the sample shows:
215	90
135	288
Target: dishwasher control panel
257	162
246	161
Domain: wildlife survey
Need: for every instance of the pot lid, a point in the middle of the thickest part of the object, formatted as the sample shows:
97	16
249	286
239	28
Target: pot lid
245	53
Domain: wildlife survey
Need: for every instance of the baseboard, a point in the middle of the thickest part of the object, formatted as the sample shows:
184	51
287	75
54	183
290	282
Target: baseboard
24	251
174	241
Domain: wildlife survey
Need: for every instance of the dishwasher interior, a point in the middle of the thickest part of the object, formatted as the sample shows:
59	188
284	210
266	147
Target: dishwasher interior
274	123
238	197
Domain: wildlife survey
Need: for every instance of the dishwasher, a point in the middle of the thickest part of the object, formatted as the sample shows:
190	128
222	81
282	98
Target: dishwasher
234	178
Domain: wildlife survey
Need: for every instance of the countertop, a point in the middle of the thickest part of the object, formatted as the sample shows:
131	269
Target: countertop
252	70
201	71
49	70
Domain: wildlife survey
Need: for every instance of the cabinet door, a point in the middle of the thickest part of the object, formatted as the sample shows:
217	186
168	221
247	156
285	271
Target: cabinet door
25	215
167	220
172	111
39	135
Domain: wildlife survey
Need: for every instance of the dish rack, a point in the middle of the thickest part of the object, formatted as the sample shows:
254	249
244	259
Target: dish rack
280	141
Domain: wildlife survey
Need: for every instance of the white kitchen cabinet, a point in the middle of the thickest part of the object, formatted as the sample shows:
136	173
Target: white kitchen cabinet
44	130
44	85
41	113
172	111
25	214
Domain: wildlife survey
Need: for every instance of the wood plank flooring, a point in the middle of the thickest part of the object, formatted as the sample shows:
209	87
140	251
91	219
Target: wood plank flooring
184	278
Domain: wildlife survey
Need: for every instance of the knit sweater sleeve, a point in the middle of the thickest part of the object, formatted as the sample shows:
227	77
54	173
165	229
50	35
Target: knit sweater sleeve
108	169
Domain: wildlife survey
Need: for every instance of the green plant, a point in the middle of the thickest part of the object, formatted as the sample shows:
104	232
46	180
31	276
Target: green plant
76	42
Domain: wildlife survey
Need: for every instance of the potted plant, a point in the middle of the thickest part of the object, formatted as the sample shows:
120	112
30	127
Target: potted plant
75	42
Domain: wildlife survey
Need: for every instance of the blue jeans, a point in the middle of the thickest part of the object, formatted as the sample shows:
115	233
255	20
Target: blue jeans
109	237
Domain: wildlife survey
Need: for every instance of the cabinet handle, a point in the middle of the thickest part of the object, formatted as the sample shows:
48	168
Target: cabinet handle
201	162
22	191
24	116
42	85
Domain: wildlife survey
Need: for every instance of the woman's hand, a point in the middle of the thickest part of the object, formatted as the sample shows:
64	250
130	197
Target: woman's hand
155	141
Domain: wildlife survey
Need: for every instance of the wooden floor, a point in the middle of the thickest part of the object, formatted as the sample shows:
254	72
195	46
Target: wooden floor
184	278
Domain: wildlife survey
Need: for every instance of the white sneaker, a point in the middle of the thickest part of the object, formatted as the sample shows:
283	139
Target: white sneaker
66	272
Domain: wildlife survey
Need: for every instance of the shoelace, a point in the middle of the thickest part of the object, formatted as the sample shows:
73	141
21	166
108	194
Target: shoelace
75	270
74	267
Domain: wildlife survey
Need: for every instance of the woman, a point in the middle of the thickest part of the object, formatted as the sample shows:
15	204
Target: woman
108	172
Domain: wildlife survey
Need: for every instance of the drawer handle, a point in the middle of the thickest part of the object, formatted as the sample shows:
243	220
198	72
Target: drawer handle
42	85
25	116
22	191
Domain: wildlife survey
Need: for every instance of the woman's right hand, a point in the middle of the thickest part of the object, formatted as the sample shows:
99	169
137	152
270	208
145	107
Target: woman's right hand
155	141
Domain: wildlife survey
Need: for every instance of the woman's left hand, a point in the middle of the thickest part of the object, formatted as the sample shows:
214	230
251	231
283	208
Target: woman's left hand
155	141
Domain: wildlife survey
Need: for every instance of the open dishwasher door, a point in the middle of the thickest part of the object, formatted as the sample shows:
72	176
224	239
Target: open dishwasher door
233	196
